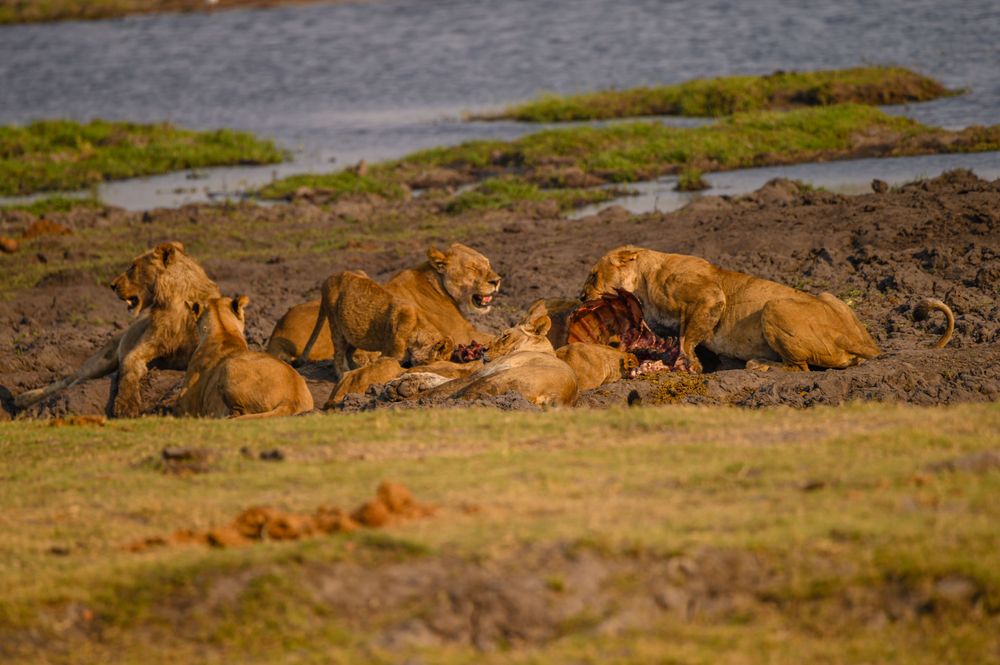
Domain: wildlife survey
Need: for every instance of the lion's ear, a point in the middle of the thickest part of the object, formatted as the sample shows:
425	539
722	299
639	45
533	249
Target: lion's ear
623	256
194	307
238	304
437	258
536	309
540	325
167	251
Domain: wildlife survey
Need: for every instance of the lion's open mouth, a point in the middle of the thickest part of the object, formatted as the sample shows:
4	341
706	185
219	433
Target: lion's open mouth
133	303
482	300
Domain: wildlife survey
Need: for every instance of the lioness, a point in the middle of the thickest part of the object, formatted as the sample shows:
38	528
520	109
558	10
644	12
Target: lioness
732	313
363	315
160	281
445	288
449	286
522	361
226	379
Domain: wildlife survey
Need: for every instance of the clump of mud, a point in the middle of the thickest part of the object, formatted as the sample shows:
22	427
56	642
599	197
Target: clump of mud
393	504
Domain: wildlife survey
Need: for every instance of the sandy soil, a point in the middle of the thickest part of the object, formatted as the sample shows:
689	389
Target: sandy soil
881	252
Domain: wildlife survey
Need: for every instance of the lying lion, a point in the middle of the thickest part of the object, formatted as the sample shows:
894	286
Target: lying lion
734	314
159	281
363	315
522	361
225	379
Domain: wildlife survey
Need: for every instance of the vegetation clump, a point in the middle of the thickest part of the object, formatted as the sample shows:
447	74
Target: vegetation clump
19	11
331	186
52	155
633	151
506	192
691	180
726	95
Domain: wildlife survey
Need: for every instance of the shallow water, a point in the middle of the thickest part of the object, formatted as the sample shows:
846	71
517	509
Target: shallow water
380	79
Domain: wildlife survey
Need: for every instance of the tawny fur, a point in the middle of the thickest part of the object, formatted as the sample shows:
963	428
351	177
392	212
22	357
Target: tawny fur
522	361
225	379
596	364
159	282
734	314
448	288
363	315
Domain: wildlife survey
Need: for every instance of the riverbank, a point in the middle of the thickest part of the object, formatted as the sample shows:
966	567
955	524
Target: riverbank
17	11
60	155
727	95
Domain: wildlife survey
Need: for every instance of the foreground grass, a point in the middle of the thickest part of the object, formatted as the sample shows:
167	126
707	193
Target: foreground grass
64	155
850	486
21	11
727	95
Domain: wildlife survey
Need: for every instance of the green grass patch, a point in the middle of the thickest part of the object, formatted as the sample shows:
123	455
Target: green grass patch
32	11
625	152
727	95
63	155
846	486
51	204
334	185
241	231
507	192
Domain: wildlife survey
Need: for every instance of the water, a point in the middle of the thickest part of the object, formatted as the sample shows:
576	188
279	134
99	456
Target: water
337	83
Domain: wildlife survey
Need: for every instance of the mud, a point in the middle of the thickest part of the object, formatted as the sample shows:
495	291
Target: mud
393	504
881	252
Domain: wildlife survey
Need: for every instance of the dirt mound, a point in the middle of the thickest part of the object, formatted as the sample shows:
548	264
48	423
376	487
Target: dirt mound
393	504
881	252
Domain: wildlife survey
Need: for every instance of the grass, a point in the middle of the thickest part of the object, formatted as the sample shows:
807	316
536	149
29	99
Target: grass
218	232
333	185
723	96
508	192
51	204
626	152
847	487
32	11
64	155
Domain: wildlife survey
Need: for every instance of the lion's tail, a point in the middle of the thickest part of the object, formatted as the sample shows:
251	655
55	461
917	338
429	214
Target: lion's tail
924	310
321	318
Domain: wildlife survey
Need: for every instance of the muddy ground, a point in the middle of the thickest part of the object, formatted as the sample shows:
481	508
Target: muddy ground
882	252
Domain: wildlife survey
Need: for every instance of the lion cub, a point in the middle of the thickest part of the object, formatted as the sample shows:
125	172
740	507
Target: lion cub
363	315
226	379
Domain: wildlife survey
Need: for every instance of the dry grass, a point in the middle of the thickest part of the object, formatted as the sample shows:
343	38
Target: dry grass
852	485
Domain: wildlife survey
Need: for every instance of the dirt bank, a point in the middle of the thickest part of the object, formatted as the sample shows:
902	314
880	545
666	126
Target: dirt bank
881	252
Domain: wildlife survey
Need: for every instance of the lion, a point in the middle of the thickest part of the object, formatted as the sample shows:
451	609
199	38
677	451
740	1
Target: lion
159	281
597	364
383	370
447	288
522	361
734	314
225	379
364	315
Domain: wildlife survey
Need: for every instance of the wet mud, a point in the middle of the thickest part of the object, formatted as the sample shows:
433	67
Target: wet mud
882	252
